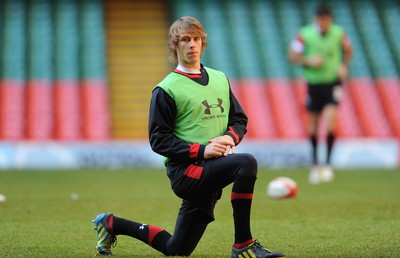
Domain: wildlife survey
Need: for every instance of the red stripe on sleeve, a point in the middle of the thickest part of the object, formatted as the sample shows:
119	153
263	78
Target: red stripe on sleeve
235	196
300	38
236	137
194	150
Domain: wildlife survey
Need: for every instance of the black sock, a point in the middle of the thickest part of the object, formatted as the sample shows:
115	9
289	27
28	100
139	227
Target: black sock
152	235
329	141
313	140
241	199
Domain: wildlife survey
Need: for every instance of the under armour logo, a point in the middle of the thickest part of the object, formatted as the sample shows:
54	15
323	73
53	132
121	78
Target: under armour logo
142	226
209	107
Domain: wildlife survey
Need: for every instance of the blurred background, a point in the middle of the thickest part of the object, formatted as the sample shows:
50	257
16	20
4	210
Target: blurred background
76	79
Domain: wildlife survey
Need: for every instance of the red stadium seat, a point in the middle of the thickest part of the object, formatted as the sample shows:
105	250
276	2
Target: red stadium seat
12	106
235	87
257	107
285	110
39	115
389	91
369	108
300	92
348	124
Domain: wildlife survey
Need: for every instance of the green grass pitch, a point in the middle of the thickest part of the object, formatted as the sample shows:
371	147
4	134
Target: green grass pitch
357	215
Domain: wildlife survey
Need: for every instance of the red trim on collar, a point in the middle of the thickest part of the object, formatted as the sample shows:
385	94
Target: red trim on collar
189	75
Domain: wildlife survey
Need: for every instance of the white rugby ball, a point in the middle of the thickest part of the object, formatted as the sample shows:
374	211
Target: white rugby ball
282	187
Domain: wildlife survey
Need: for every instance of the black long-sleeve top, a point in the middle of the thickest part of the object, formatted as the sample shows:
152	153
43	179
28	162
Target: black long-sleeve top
162	120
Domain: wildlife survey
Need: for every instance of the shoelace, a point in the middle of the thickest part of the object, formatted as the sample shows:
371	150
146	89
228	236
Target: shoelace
113	240
258	245
112	236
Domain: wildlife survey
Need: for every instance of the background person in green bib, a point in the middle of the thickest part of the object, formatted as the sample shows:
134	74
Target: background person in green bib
195	122
324	51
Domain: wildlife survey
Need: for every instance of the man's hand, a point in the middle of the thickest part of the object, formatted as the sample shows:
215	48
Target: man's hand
219	146
314	61
343	71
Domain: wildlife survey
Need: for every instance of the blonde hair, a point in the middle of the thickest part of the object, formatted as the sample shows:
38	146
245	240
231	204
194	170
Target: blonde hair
185	24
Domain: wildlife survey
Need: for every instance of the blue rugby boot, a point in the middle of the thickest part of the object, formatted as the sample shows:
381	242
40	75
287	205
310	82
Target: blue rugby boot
105	238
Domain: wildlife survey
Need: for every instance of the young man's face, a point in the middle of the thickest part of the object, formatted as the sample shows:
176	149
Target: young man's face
324	22
189	51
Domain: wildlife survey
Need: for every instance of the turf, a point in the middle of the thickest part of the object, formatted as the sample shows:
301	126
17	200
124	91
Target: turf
357	215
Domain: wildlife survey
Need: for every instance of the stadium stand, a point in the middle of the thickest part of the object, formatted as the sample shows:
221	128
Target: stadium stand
242	39
285	112
390	16
215	56
50	49
289	20
39	99
389	91
270	47
262	31
258	108
67	108
348	124
12	72
374	39
369	108
85	69
342	13
94	91
300	93
137	59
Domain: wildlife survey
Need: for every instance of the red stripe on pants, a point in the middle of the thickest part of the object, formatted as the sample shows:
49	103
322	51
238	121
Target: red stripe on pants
194	171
